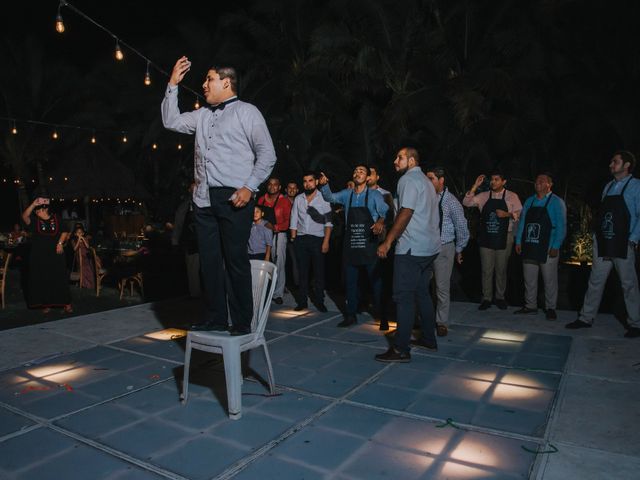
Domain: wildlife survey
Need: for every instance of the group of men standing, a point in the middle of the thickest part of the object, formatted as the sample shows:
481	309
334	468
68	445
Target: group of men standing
234	155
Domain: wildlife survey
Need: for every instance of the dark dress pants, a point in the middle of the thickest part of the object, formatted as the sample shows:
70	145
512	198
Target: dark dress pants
223	232
411	276
309	253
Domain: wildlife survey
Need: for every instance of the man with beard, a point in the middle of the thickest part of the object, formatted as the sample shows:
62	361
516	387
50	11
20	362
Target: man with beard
310	232
541	231
500	209
277	211
364	211
615	244
233	155
416	228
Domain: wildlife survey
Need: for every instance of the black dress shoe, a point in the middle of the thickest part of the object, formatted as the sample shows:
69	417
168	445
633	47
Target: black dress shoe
442	330
484	305
321	308
526	311
422	343
348	321
208	327
577	324
501	304
551	314
301	306
236	331
632	332
394	356
384	325
277	300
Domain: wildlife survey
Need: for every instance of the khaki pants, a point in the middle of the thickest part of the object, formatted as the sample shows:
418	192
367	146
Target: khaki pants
600	271
495	261
549	271
442	268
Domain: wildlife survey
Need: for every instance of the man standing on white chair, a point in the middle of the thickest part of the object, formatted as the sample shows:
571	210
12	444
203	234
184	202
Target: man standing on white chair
233	155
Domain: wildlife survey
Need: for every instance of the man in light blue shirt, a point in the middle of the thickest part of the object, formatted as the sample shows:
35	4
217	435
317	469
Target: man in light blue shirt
234	154
364	211
541	231
310	232
615	244
416	228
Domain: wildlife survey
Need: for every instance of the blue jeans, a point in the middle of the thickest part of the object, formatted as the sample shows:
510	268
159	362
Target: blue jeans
351	274
411	277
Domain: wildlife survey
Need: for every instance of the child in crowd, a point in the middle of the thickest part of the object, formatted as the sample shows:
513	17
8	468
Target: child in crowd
261	238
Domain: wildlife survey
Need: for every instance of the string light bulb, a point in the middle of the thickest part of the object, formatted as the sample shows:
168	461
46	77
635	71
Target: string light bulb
119	55
124	137
59	21
14	130
147	77
154	146
179	146
93	137
54	135
197	104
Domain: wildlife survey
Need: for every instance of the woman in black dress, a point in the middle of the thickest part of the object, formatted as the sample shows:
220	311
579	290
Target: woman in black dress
48	284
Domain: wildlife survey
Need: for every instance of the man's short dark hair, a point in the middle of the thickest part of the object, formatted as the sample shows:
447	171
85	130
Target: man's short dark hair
438	171
546	174
363	165
227	72
498	173
311	173
273	177
627	157
413	152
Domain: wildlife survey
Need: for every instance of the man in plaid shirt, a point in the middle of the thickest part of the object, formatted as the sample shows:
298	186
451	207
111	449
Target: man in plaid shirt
454	235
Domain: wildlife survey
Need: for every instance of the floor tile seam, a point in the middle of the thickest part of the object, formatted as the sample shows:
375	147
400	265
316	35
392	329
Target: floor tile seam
246	461
605	379
142	354
540	463
295	332
105	401
119	339
462	425
117	453
46	358
22	431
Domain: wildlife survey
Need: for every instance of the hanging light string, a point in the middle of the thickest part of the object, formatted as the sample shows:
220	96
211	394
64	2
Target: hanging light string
119	43
58	126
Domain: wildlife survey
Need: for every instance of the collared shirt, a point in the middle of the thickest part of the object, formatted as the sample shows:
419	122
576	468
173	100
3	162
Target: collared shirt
282	211
382	191
421	238
557	213
513	203
303	222
260	238
376	205
233	147
454	223
631	199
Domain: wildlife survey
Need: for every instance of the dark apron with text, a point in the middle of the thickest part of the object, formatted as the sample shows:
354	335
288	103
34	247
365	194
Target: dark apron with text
360	242
613	225
493	230
536	234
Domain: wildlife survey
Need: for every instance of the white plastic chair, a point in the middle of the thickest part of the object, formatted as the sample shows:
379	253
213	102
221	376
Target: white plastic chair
263	282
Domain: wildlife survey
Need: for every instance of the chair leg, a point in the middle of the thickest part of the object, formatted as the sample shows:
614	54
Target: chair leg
272	383
185	375
233	377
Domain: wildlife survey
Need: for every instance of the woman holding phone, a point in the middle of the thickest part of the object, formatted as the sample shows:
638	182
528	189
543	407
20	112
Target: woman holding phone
48	284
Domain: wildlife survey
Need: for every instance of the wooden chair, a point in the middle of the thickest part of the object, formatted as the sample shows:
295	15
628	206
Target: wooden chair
100	271
131	280
4	271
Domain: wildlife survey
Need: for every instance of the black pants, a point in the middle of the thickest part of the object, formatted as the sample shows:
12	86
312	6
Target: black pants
309	253
223	232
